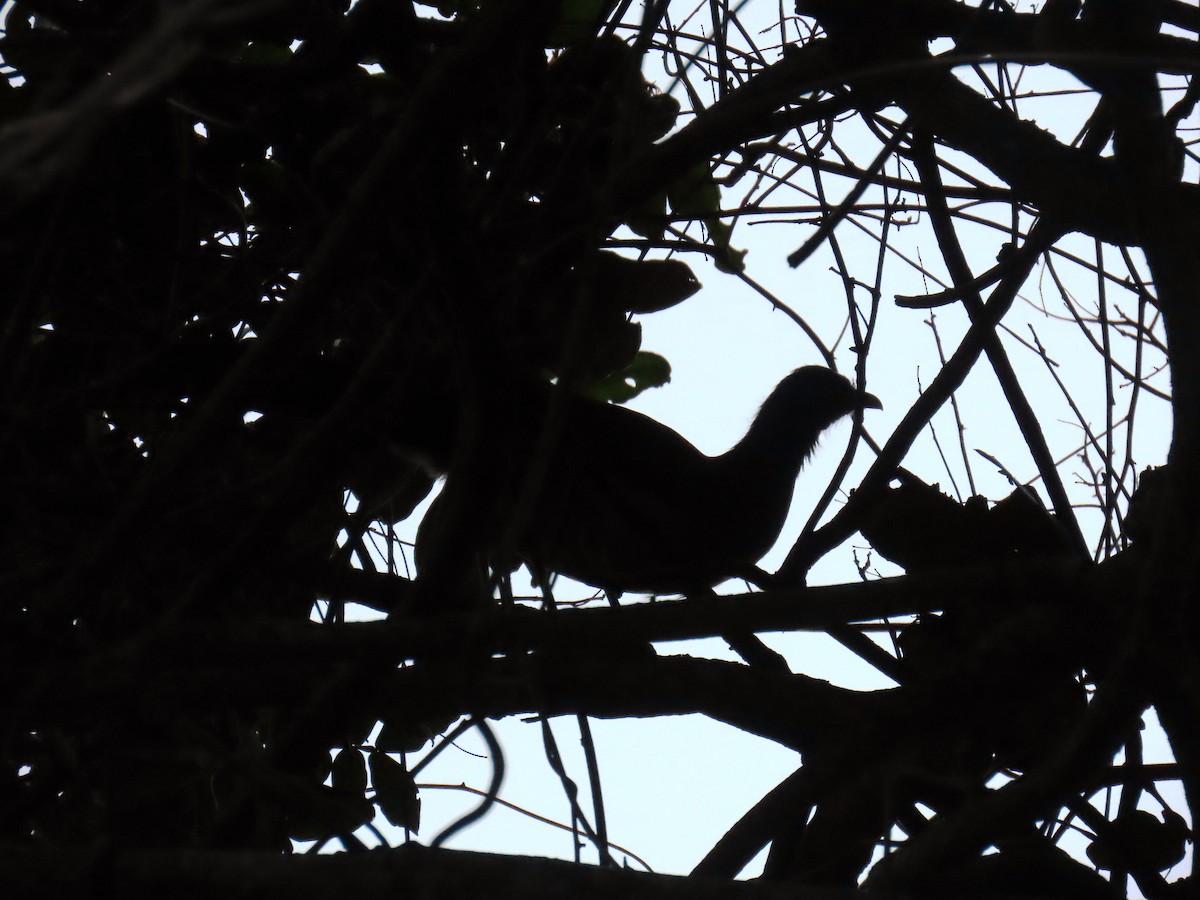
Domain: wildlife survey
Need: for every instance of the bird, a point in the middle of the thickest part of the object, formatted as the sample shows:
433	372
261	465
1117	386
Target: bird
617	500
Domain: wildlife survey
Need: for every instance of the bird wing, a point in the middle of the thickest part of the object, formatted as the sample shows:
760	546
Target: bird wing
627	503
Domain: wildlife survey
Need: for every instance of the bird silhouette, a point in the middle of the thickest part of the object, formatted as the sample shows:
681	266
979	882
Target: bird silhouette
616	500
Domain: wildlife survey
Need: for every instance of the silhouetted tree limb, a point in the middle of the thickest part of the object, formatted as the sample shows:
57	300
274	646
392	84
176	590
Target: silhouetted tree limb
268	262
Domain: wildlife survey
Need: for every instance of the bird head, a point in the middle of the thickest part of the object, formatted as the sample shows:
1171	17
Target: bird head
803	405
817	395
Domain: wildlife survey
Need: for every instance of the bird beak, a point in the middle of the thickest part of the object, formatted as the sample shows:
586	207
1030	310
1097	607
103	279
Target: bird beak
869	401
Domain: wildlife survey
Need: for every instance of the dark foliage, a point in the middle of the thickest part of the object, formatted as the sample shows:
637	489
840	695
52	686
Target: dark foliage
263	257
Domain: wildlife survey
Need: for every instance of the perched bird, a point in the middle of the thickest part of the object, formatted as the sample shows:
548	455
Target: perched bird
616	500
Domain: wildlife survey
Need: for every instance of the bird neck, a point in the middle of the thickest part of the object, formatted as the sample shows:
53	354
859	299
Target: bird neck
776	445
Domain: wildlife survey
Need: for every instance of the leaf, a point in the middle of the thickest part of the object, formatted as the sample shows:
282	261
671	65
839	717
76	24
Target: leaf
267	184
644	286
726	259
326	812
350	772
648	370
695	194
395	792
265	55
449	8
649	220
36	51
339	809
409	737
577	21
660	115
1138	841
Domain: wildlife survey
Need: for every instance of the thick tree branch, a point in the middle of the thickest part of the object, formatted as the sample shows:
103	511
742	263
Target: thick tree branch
1030	160
408	871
